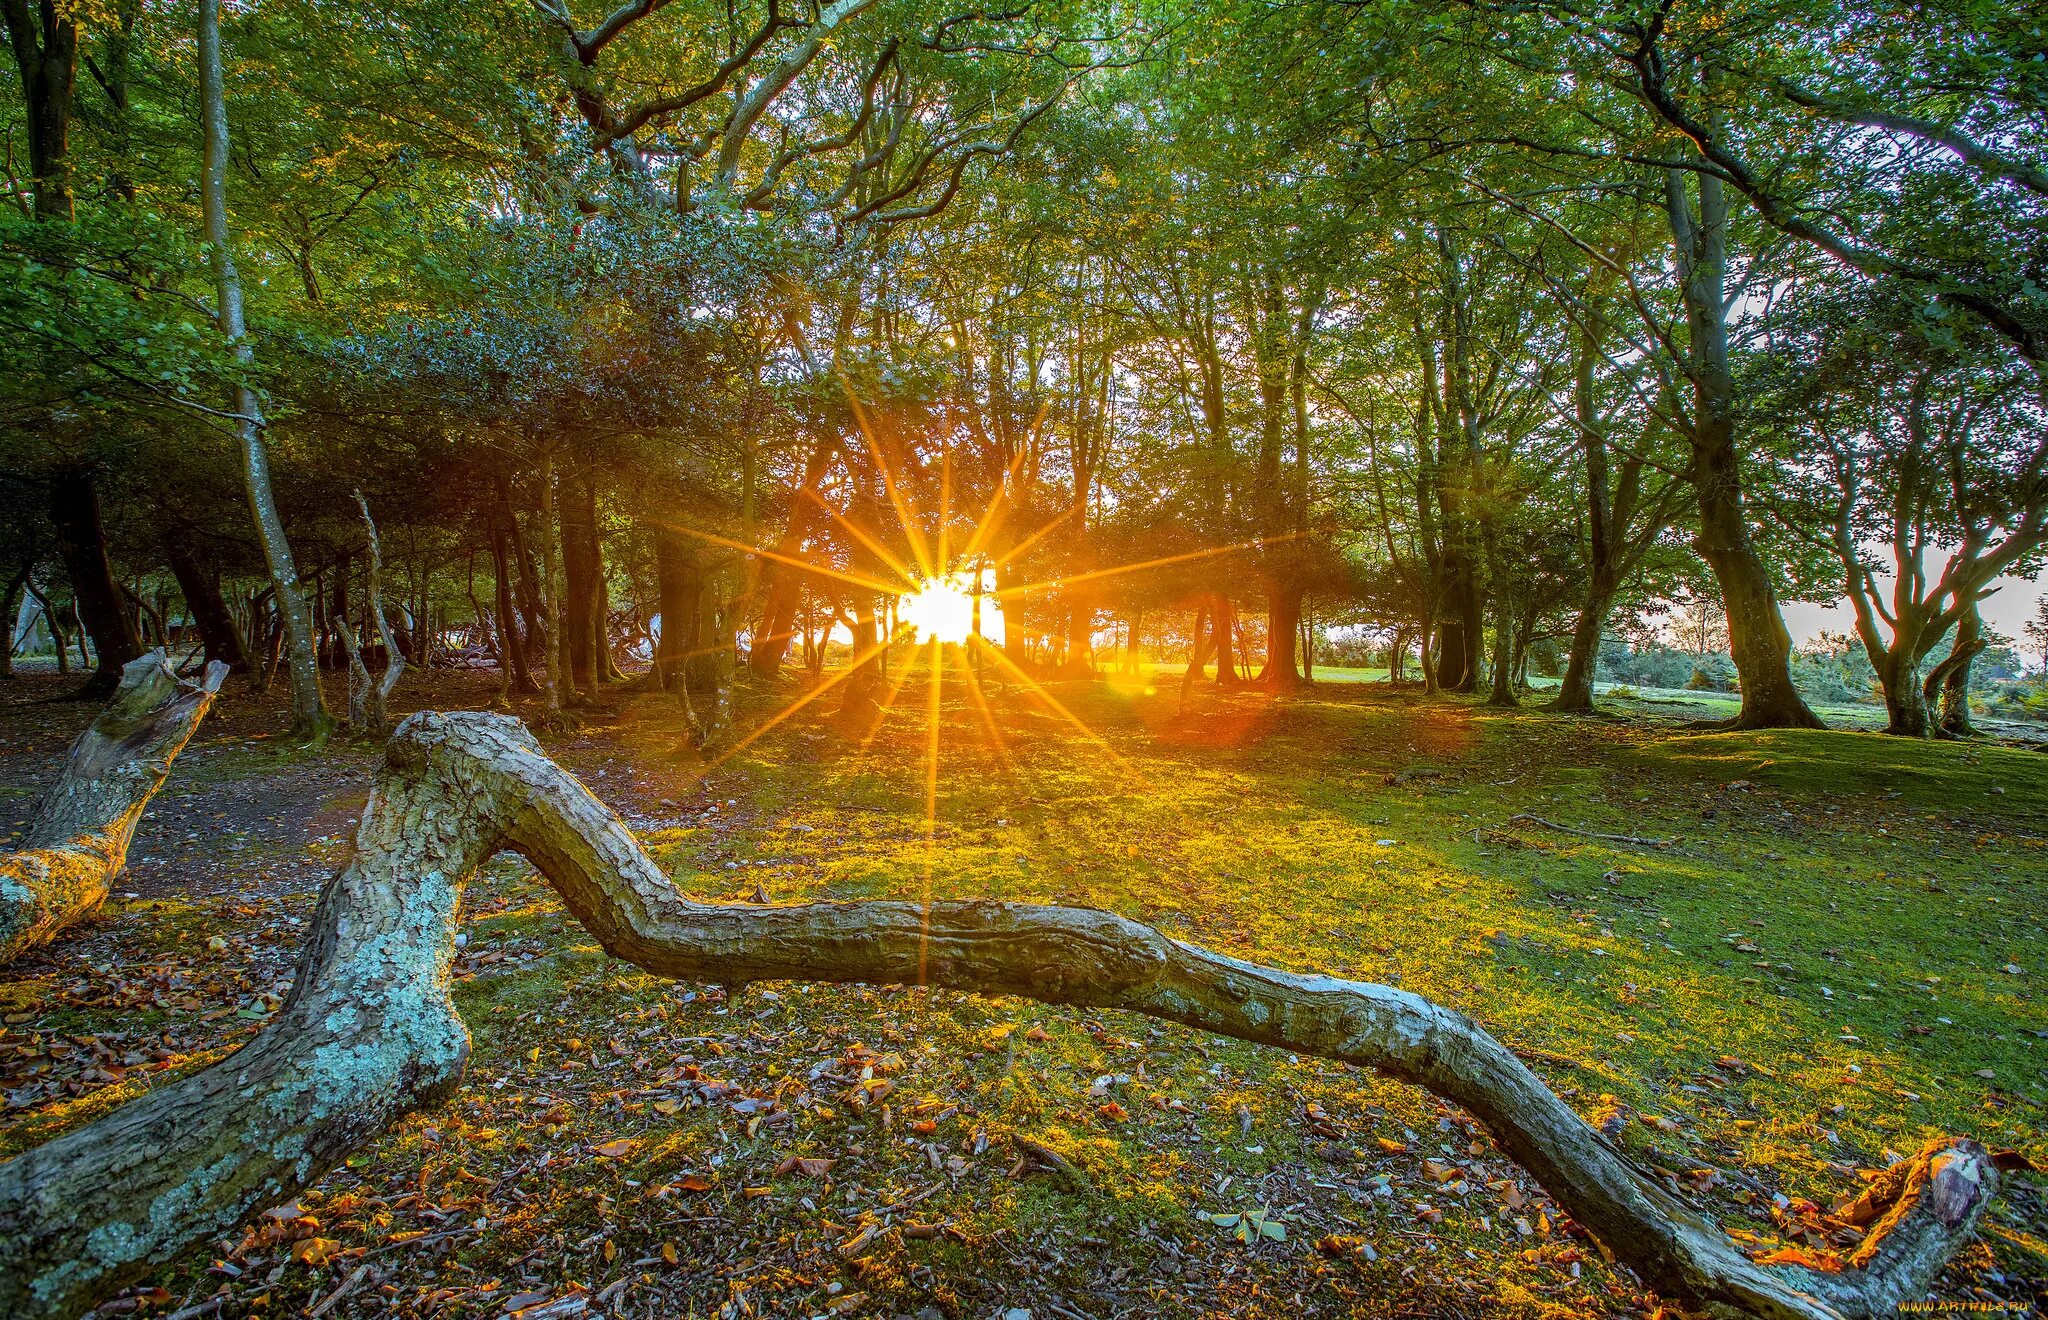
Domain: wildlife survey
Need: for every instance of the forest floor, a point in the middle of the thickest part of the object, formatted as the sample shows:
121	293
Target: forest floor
1823	948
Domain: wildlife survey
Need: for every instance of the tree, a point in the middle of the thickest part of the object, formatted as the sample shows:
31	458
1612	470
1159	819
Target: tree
309	711
1927	450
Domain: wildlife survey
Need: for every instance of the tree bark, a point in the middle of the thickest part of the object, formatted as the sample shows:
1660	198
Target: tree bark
512	642
45	43
1575	690
532	599
369	700
1948	683
1223	640
102	612
309	712
370	1033
1502	692
1757	638
10	612
580	610
78	840
1905	705
1283	636
782	586
551	591
203	601
678	584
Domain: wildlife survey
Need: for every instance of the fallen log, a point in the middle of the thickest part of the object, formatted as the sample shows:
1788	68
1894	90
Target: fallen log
78	840
370	1032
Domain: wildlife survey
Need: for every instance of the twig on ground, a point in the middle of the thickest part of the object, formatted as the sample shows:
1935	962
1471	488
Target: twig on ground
1525	818
193	1312
328	1303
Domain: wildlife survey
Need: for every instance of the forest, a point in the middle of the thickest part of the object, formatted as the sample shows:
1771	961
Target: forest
1087	658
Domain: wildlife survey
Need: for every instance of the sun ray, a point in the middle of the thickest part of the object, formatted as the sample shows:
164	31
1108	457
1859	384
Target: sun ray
931	798
823	570
1036	536
945	510
911	532
860	534
888	702
972	682
804	699
1056	584
1039	691
998	508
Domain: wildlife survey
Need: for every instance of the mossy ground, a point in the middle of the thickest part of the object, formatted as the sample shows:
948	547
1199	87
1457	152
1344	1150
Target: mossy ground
1809	970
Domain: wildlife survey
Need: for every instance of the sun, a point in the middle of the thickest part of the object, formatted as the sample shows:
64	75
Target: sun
941	609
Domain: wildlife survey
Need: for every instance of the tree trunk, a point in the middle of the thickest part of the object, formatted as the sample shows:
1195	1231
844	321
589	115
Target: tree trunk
1502	692
10	611
601	600
511	640
551	592
1223	640
309	713
783	585
369	700
1905	705
102	612
580	591
1198	656
78	840
201	589
1080	634
1454	657
1757	639
678	585
334	654
1283	636
44	38
532	599
54	623
370	1033
1575	691
866	679
1948	683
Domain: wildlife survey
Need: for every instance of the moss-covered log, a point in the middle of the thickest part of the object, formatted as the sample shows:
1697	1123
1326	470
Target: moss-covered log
78	840
370	1032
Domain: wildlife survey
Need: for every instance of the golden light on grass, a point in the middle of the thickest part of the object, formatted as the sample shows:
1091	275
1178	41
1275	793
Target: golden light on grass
949	605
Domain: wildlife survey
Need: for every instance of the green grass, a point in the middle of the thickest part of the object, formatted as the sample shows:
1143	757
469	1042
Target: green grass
1810	972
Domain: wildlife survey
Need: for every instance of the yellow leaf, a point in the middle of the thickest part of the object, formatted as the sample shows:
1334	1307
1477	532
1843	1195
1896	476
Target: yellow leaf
315	1251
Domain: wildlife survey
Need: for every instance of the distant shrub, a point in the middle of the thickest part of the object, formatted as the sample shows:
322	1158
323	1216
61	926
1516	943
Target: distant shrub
1712	673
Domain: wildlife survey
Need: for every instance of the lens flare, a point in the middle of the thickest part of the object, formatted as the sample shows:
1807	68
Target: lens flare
941	609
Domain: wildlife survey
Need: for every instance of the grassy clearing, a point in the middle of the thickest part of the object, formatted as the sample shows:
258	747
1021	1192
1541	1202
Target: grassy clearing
1812	972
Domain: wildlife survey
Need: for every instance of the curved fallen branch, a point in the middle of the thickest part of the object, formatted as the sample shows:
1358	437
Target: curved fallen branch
370	1032
78	841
